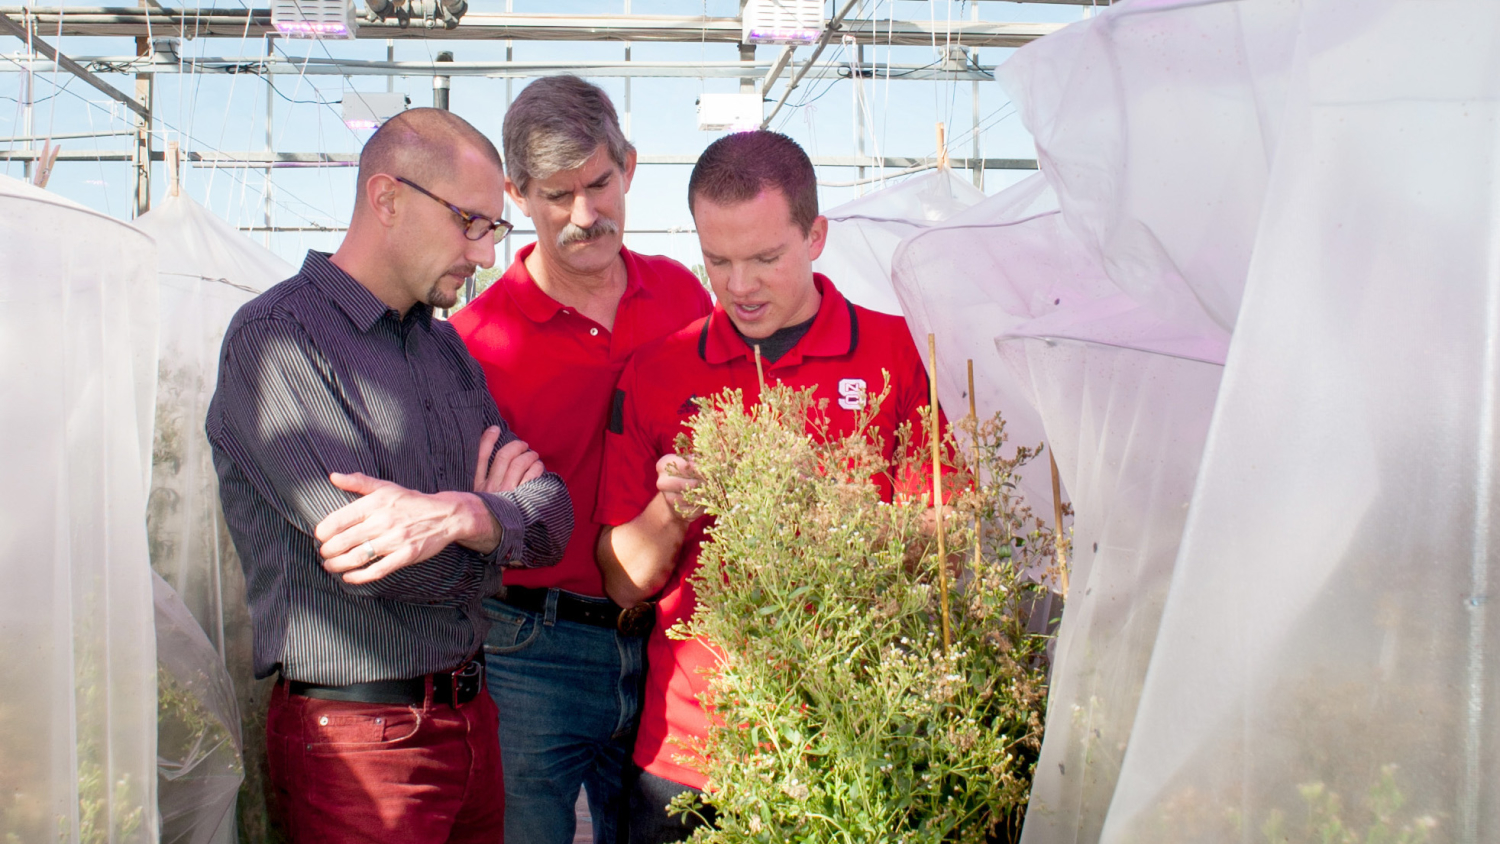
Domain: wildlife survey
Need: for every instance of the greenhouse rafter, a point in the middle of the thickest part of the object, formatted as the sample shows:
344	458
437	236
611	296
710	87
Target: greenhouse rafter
237	23
315	66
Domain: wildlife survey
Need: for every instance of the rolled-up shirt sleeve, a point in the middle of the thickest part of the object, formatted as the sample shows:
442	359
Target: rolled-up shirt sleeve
536	520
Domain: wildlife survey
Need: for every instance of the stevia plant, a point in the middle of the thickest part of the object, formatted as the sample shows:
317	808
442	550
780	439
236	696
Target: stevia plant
839	715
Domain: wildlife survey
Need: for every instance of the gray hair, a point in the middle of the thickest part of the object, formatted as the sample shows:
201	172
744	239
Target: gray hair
556	124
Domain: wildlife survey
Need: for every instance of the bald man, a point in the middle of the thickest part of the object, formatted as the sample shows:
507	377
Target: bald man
375	496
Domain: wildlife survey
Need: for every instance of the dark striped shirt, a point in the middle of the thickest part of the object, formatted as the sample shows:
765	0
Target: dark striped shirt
317	375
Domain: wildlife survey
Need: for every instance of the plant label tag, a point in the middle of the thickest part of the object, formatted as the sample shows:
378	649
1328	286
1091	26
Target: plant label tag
852	394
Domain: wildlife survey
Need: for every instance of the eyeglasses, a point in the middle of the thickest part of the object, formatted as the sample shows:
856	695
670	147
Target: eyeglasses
476	226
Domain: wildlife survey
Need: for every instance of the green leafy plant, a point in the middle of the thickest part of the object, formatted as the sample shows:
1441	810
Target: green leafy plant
840	716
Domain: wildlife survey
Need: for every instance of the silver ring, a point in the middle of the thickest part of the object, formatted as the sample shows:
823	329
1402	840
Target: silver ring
370	554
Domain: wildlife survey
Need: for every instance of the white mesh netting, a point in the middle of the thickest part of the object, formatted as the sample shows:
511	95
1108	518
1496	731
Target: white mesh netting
78	345
208	270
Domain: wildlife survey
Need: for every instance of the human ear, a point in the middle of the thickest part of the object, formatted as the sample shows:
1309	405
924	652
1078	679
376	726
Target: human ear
380	195
517	197
817	237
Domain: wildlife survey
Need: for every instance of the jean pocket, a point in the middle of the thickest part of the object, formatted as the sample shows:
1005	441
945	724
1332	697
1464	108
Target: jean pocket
511	630
335	726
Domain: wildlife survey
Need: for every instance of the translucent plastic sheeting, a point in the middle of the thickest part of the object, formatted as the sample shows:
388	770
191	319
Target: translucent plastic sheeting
863	234
1127	427
1156	123
198	755
77	646
1326	665
950	279
208	269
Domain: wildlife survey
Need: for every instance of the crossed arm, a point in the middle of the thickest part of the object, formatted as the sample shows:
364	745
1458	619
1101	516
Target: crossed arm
390	527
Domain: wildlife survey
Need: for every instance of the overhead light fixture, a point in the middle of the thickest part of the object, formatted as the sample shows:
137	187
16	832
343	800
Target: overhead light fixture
326	19
731	112
782	22
362	110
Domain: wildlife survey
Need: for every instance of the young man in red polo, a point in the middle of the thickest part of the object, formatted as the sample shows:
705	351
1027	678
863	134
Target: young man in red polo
754	198
552	334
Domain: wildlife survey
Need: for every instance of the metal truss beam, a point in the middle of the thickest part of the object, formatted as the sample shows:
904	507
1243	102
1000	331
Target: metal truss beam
10	27
354	67
261	160
256	23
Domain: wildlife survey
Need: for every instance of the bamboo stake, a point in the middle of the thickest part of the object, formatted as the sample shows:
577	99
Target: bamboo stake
1059	538
974	418
942	143
760	372
937	485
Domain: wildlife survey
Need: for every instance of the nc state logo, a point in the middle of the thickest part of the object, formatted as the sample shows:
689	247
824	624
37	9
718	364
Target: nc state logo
852	394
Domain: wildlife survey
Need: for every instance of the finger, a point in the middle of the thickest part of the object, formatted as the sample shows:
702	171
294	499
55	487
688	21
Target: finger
381	567
487	442
342	519
348	541
536	471
495	480
350	560
517	468
356	482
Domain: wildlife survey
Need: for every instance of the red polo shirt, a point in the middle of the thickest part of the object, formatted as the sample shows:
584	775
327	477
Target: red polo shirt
843	352
552	372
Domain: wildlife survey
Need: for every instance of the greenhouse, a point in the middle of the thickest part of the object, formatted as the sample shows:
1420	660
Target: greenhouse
888	420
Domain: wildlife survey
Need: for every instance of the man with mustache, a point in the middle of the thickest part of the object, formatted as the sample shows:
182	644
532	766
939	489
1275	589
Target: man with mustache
553	334
347	426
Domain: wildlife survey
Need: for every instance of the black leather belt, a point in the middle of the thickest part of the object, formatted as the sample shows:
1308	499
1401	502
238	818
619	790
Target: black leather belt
454	688
635	621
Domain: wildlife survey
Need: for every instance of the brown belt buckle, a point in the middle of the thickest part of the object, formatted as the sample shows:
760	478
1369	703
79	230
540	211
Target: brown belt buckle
637	620
466	680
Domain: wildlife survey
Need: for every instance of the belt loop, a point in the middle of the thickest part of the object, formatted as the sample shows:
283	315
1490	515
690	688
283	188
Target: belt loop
549	612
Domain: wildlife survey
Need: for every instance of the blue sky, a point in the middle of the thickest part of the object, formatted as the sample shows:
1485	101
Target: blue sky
208	112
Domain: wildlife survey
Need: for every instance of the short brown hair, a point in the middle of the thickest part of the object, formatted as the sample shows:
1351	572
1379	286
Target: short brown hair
422	144
555	124
736	168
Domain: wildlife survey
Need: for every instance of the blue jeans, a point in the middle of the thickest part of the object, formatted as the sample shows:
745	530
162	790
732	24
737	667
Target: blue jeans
569	697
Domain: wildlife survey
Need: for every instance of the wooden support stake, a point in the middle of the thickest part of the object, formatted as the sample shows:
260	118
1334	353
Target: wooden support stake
174	168
974	418
45	163
760	372
937	485
942	146
1059	536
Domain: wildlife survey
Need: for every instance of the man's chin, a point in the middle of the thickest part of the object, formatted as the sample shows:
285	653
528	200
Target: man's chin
441	297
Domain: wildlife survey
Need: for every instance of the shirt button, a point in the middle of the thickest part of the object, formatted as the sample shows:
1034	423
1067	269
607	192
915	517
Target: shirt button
428	404
323	720
594	332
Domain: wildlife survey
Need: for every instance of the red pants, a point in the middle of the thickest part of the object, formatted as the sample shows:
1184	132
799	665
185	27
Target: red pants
369	772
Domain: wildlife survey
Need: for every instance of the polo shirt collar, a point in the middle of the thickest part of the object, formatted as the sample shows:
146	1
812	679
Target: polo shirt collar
834	332
362	307
536	304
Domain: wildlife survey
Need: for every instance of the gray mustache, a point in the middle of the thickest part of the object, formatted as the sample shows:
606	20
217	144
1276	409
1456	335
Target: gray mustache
573	234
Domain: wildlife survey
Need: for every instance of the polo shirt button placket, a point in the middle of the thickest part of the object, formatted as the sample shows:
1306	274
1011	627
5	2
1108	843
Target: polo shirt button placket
593	332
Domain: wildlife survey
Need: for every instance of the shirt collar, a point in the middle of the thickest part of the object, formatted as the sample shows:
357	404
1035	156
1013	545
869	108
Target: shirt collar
362	307
536	304
834	332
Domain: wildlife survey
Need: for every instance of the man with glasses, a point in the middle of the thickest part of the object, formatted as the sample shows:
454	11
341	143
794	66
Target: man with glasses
552	335
374	494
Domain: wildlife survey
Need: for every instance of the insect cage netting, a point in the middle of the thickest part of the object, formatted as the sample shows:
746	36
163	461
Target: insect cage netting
1107	289
1325	667
863	233
212	731
77	651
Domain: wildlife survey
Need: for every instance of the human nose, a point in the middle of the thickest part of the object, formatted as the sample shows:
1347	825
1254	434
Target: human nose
741	281
481	252
584	214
